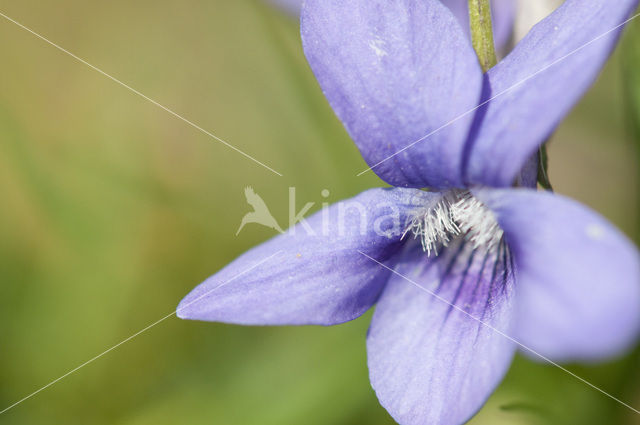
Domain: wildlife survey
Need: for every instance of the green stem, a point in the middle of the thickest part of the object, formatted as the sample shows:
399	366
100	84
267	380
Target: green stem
543	168
482	33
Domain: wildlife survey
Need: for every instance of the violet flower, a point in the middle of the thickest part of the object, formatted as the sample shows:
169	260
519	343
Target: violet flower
503	13
453	272
292	7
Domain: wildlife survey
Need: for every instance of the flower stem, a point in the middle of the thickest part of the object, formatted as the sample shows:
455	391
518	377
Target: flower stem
482	33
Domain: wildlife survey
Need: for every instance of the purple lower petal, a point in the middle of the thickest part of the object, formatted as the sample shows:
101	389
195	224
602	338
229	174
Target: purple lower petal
535	86
578	278
400	75
429	362
314	275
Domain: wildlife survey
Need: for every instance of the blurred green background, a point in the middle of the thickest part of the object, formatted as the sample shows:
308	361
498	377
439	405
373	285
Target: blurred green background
112	210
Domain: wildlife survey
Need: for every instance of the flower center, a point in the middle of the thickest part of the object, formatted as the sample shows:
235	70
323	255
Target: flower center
457	214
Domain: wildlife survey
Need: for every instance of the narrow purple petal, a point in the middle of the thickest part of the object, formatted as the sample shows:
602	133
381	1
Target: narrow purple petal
395	72
429	362
311	275
503	14
578	278
538	83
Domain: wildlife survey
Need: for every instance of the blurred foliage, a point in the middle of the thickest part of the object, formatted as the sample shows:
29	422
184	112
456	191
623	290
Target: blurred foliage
113	210
631	63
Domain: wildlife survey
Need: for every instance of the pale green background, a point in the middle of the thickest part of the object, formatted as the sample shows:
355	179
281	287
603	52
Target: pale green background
112	210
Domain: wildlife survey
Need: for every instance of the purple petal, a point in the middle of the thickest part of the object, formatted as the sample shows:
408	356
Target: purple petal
290	6
528	176
395	72
578	278
538	83
314	275
502	14
429	362
530	13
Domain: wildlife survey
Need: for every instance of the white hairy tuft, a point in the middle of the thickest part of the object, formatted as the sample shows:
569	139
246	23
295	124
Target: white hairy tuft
476	221
434	225
457	214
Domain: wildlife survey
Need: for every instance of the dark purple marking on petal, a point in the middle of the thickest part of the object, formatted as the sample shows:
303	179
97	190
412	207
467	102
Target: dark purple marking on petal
429	362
